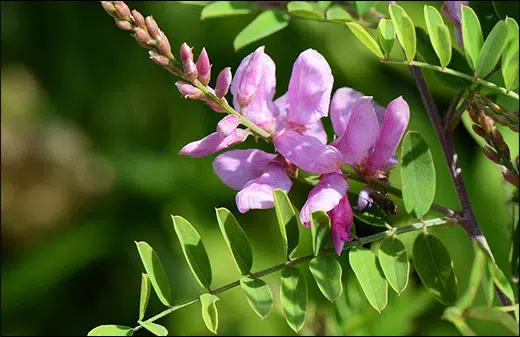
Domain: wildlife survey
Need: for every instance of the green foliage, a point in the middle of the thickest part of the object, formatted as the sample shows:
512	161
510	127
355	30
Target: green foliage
219	9
417	175
293	295
154	328
365	38
209	311
305	9
471	35
145	295
320	230
386	35
327	273
363	7
155	272
492	49
500	280
510	56
236	240
258	295
111	330
193	250
265	24
405	30
288	221
494	315
368	272
433	263
439	34
393	258
336	13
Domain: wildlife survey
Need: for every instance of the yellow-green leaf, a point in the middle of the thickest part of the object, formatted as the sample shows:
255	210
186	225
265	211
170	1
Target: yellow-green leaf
111	330
327	273
305	9
405	30
492	49
337	13
145	295
293	293
287	220
471	35
209	311
219	9
258	295
386	35
265	24
365	38
439	34
154	328
393	258
320	230
155	272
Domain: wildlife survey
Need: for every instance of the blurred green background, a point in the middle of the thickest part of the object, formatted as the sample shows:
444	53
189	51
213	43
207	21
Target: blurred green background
91	129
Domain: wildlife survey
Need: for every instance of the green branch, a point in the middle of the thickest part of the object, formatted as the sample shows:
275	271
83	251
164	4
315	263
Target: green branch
348	245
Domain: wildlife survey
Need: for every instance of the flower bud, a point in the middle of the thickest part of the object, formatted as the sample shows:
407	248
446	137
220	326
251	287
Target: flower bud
138	19
164	46
250	78
124	25
158	58
142	36
190	69
479	131
491	154
152	27
189	91
108	6
123	12
487	123
499	143
203	67
186	52
223	82
227	125
511	177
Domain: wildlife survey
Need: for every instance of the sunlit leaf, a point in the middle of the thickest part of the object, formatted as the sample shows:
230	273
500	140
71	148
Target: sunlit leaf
471	35
327	273
145	295
393	258
405	30
433	263
365	38
209	311
492	49
265	24
324	4
337	13
439	34
386	35
363	7
501	281
193	250
258	295
305	9
219	9
287	220
320	230
510	56
155	272
195	3
111	330
154	328
365	265
293	293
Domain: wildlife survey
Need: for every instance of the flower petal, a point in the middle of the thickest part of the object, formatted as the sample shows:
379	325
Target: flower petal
258	193
213	143
341	218
341	108
227	125
237	167
308	153
361	132
324	196
261	108
310	87
396	120
317	131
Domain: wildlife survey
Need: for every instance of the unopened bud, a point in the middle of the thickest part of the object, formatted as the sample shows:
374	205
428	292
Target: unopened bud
251	78
190	70
138	19
152	27
174	70
186	52
124	25
499	143
214	105
142	36
511	177
158	58
108	6
123	12
479	131
488	124
189	91
473	114
164	45
227	125
491	154
223	82
203	67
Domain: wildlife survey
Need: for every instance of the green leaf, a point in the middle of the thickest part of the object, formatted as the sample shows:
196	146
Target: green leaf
393	258
492	49
439	34
195	3
265	24
501	281
258	295
293	293
287	220
435	268
155	272
305	9
417	175
363	7
405	30
320	230
324	4
145	295
327	273
337	13
368	272
154	328
494	315
514	251
471	35
111	330
386	35
219	9
236	240
510	56
371	217
477	270
488	287
510	72
365	38
209	311
193	250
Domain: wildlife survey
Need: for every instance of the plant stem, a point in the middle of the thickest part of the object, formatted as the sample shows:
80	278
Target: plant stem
466	218
449	71
348	245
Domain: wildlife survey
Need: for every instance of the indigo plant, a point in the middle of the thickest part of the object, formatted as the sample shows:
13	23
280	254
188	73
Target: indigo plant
370	141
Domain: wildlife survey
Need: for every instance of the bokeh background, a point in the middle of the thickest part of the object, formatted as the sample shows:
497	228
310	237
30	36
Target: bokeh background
90	135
